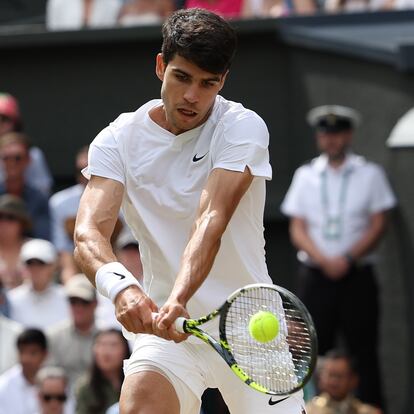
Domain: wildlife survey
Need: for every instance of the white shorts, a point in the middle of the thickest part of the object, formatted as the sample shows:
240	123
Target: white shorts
192	368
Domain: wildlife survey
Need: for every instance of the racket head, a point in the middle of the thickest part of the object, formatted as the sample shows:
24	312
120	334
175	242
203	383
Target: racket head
281	366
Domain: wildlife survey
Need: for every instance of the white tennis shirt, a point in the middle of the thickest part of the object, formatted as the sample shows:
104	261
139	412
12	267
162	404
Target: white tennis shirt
164	174
353	192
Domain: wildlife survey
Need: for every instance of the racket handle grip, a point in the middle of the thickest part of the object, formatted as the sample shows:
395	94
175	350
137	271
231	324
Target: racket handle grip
179	322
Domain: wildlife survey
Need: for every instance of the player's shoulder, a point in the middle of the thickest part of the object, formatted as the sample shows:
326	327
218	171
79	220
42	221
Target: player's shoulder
229	112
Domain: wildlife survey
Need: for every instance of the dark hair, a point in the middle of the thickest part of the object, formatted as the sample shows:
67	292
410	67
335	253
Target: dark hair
97	380
200	36
32	336
342	354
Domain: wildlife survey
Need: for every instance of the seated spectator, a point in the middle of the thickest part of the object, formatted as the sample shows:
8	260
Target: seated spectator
70	342
18	393
14	224
230	9
392	4
39	302
79	14
278	8
139	12
101	387
9	330
37	173
52	391
63	208
338	380
338	6
14	154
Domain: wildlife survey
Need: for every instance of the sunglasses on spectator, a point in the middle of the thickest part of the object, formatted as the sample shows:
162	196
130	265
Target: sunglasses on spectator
79	301
58	397
8	217
35	262
14	157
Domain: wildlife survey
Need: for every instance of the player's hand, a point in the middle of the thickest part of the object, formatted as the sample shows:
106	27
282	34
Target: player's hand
134	309
335	268
164	324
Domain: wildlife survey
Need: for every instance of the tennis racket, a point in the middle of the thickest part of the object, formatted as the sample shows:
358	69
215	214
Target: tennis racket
278	367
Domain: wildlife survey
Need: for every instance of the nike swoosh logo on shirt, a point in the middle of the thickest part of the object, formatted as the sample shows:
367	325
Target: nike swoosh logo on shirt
119	274
271	402
195	158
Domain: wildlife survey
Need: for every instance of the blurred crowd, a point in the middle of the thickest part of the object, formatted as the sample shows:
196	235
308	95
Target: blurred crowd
78	14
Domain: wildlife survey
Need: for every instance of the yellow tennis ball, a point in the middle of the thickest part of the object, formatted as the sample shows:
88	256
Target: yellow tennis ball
263	326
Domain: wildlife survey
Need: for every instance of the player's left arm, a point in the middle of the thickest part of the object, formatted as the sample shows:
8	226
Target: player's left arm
219	199
371	237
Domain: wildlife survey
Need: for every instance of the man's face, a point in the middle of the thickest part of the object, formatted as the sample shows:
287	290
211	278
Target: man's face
15	159
334	144
83	312
40	273
52	395
188	93
337	379
31	357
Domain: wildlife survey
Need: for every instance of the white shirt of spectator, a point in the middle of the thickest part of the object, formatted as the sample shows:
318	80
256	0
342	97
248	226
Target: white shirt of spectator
9	330
38	310
164	175
17	396
367	192
68	15
64	205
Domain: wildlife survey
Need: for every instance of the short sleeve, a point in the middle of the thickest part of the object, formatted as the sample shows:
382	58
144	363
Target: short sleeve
292	204
104	158
382	197
244	143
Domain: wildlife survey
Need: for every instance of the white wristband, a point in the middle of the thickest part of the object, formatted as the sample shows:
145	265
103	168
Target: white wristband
113	277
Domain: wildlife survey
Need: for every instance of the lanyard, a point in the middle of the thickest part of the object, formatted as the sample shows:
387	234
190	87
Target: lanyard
342	192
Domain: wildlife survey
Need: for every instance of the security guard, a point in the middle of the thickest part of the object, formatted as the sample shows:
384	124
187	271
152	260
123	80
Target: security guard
338	206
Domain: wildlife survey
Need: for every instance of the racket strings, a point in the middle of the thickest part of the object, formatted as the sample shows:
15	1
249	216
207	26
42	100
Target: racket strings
281	364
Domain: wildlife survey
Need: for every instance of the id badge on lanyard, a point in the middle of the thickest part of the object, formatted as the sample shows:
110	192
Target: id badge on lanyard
333	224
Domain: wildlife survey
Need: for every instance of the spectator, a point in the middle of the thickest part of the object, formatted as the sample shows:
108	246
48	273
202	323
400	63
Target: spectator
278	8
338	380
17	390
226	8
14	154
37	173
79	14
52	389
139	12
40	302
338	6
102	386
9	330
14	224
63	208
338	206
70	342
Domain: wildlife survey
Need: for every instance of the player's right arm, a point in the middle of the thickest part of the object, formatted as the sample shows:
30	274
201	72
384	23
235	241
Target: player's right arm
95	222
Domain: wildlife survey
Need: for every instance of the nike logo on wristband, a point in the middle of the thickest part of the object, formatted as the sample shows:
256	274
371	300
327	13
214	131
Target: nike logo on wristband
120	276
271	402
195	158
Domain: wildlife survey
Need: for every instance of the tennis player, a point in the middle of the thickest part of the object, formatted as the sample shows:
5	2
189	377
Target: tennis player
189	172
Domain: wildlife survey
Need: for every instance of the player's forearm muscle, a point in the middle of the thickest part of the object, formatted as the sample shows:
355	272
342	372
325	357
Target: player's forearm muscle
97	215
218	202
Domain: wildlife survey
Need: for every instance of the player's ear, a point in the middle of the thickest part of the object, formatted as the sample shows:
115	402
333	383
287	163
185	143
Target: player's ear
160	67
